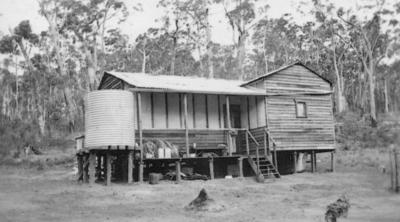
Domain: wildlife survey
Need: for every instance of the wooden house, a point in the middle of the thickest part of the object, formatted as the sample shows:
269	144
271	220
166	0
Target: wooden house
272	118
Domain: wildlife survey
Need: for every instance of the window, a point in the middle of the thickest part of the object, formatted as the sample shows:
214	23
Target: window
301	109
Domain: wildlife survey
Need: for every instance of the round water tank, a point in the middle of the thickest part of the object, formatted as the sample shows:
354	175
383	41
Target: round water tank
109	119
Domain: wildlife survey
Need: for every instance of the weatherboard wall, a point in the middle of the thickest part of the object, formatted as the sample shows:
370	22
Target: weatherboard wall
290	132
295	79
316	131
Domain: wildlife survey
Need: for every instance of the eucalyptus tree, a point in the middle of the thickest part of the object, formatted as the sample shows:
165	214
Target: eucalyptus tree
19	43
8	46
76	38
368	40
86	24
187	23
7	81
198	30
240	15
330	32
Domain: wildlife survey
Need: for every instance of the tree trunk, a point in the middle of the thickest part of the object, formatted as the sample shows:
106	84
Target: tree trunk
386	96
16	88
25	54
173	56
9	102
92	66
202	71
210	61
144	61
29	107
42	120
56	41
92	77
340	99
209	49
6	102
371	83
95	63
241	55
175	44
3	105
265	49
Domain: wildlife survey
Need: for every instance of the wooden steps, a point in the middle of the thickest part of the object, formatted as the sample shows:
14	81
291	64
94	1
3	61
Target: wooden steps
264	168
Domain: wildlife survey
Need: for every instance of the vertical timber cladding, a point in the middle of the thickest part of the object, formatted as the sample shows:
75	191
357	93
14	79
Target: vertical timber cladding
165	119
147	121
260	111
135	111
174	121
243	110
254	109
160	113
253	118
289	131
252	112
200	111
212	106
190	111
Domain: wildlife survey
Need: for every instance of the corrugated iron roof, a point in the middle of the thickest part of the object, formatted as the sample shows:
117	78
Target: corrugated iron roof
189	84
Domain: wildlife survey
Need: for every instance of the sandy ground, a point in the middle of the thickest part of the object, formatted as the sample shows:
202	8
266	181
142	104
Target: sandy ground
53	195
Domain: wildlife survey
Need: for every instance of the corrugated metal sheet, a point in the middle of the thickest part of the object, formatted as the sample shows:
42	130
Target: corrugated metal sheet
185	84
109	119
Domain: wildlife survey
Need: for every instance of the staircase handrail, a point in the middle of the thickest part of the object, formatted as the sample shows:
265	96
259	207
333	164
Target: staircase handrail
273	144
257	148
269	134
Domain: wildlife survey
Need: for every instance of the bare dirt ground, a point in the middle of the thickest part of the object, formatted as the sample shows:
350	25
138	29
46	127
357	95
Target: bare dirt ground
53	195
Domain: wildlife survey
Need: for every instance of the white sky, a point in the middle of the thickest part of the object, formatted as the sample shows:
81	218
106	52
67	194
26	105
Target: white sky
14	11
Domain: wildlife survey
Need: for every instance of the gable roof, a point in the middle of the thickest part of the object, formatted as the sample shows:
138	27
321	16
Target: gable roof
283	68
189	84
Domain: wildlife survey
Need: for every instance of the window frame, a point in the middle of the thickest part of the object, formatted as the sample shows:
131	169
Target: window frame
305	109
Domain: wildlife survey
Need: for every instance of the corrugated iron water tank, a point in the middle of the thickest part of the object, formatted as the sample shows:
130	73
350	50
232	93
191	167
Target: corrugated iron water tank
109	119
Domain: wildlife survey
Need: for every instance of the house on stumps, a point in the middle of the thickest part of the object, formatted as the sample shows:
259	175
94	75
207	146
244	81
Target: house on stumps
219	127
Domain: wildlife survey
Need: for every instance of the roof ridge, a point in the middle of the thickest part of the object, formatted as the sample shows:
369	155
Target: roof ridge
165	75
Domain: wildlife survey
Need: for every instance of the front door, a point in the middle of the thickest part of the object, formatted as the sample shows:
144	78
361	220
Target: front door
235	116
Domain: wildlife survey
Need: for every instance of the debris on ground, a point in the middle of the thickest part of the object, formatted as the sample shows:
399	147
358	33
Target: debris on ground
154	178
29	149
171	175
337	209
260	178
196	176
204	203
